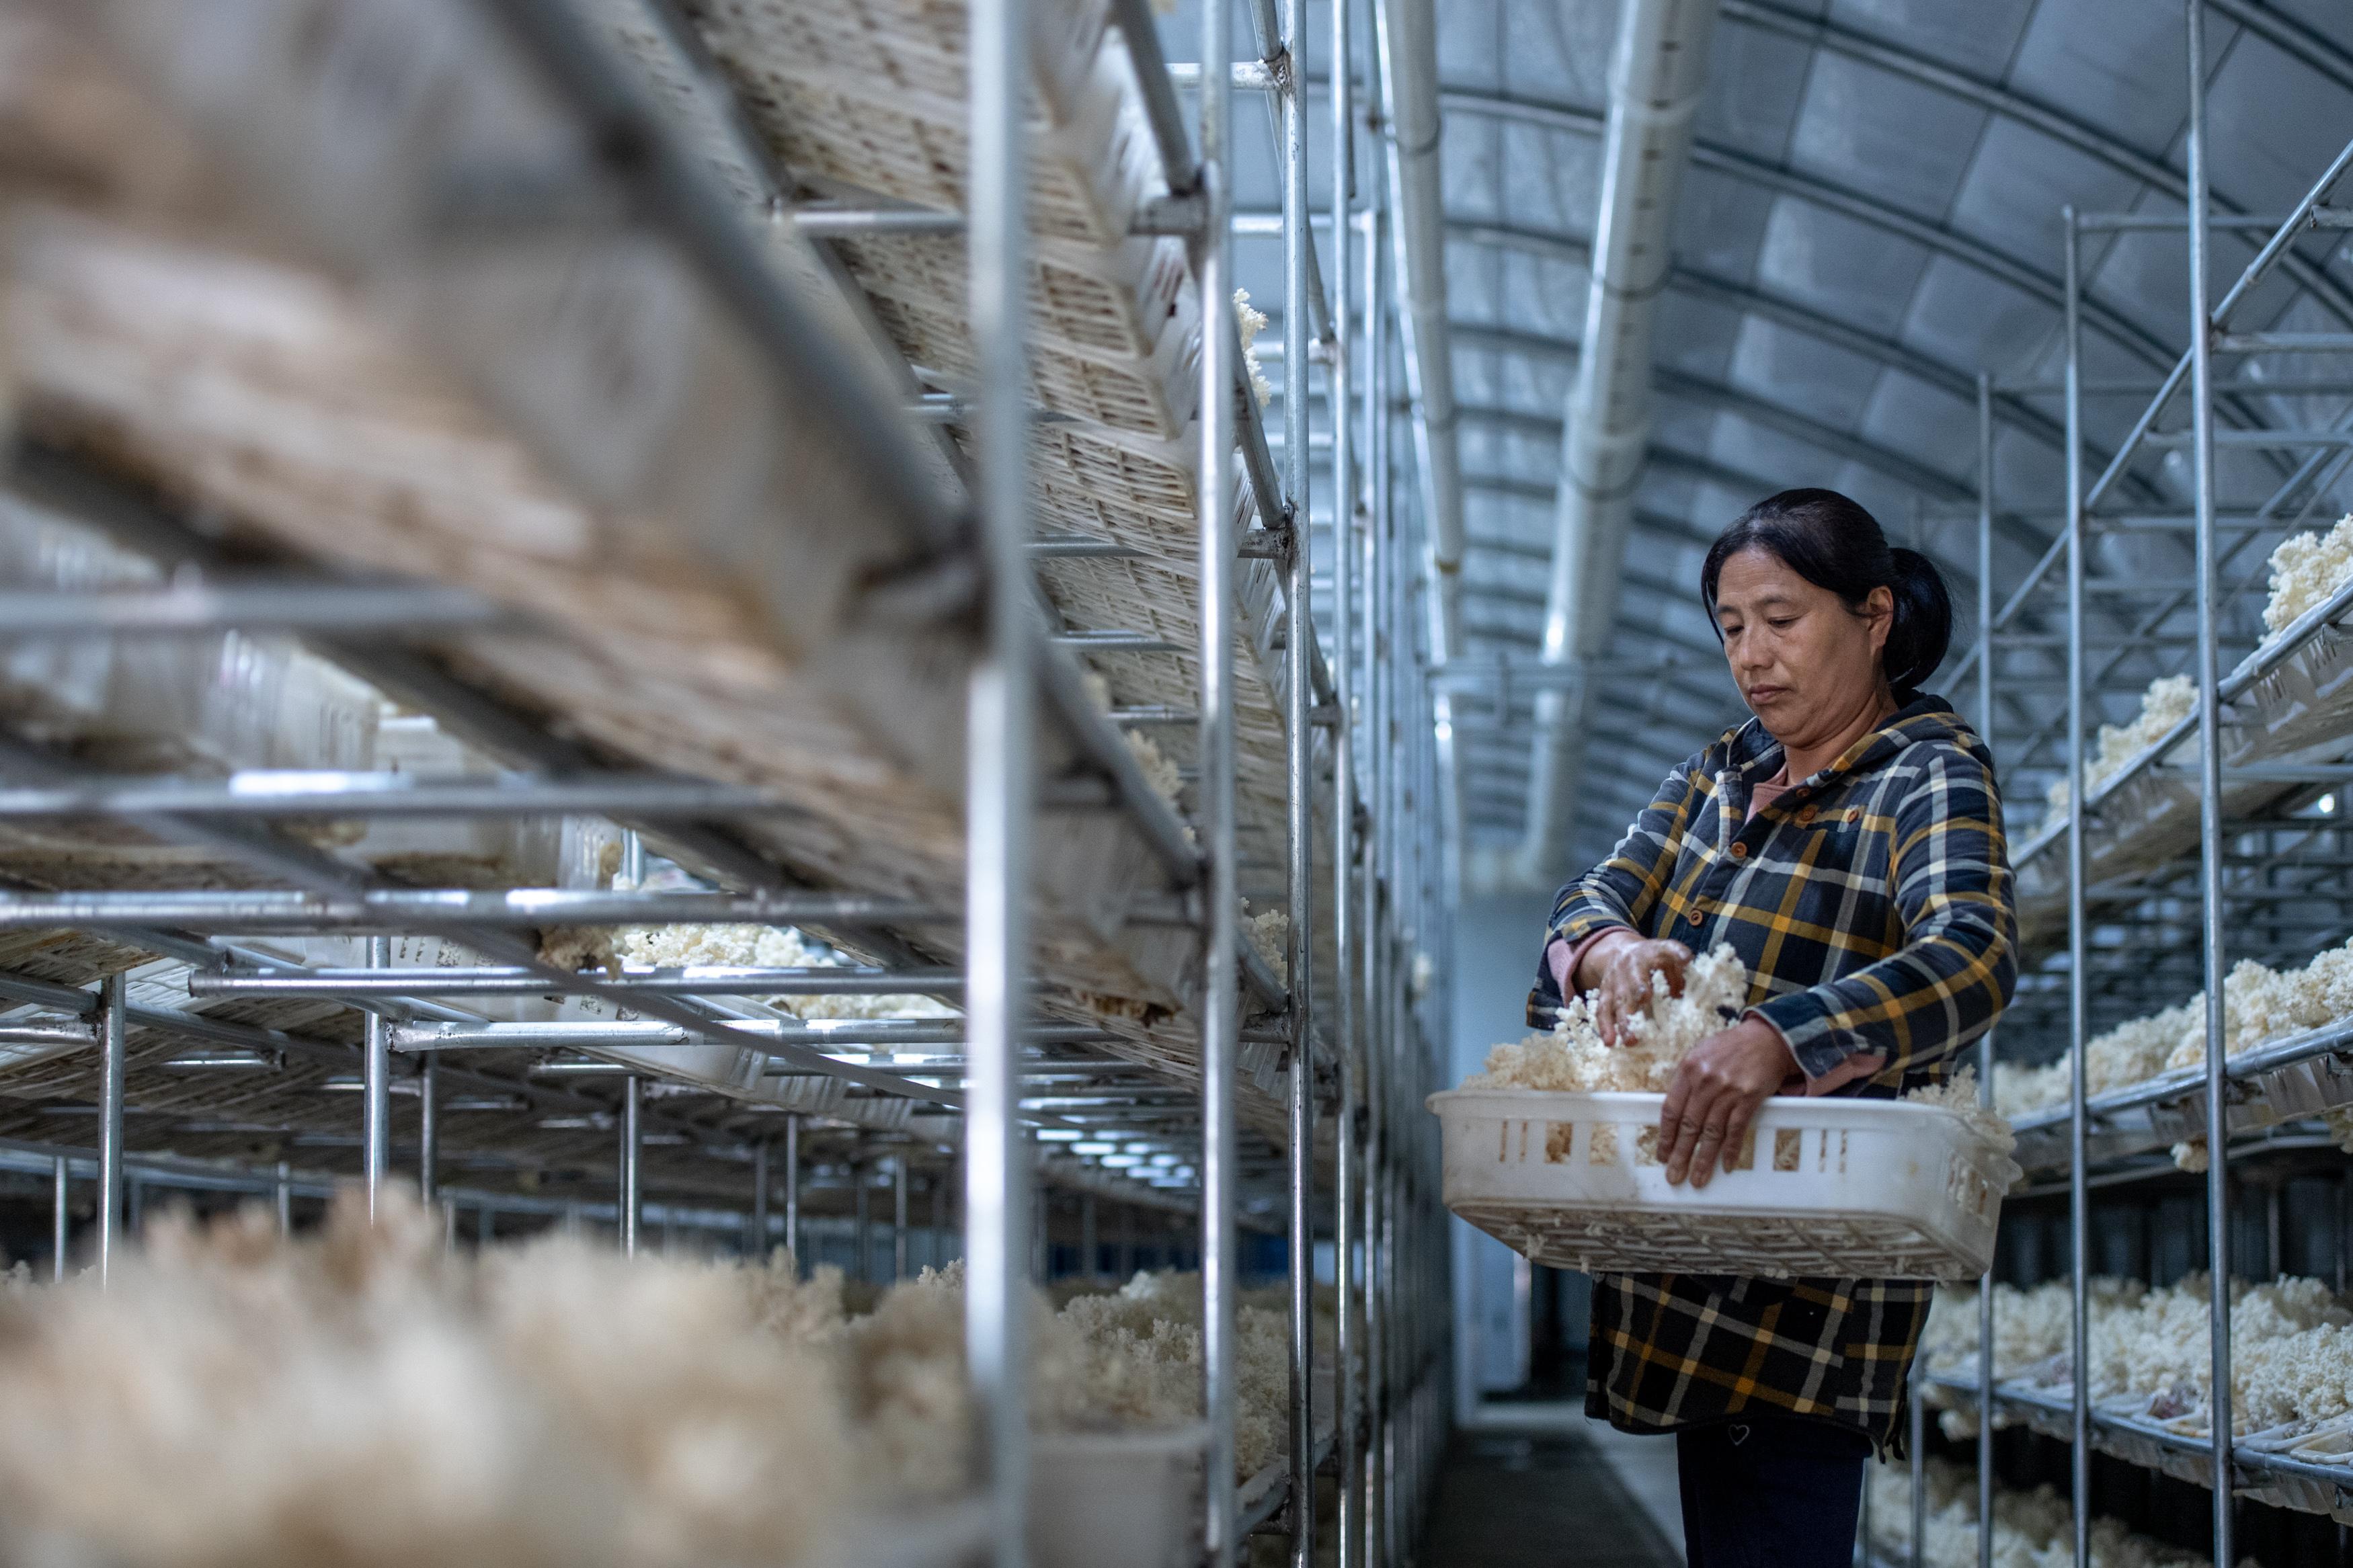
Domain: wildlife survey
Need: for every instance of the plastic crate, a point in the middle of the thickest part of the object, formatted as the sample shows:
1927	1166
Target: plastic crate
1117	1500
1841	1188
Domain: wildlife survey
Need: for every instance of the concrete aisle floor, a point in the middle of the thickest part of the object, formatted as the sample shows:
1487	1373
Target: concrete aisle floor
1538	1498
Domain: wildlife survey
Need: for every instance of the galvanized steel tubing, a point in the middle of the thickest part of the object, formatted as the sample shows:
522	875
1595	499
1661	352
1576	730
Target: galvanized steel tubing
1299	815
2078	945
1380	1547
1221	908
1348	1192
2209	807
1987	628
632	1184
112	1016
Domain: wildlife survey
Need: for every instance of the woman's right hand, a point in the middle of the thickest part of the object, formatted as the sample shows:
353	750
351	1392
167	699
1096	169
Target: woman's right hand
1620	969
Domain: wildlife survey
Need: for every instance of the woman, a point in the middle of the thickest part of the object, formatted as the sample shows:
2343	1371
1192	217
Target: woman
1847	842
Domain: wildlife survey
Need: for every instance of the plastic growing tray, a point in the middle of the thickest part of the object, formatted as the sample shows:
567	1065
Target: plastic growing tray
1117	1500
1841	1188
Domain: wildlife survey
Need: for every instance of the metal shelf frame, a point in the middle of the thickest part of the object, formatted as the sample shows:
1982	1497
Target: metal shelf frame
1357	740
2182	923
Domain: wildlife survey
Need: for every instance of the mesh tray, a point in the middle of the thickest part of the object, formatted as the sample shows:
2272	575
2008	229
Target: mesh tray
1872	1189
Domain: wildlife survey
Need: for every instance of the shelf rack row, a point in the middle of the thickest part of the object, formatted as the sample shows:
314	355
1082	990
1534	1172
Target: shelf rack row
2147	889
687	405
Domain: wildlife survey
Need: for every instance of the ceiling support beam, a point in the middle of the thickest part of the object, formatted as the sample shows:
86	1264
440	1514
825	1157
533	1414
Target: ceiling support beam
1658	73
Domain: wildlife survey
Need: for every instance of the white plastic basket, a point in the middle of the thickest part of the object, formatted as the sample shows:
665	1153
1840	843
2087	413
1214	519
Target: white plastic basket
1836	1188
1117	1500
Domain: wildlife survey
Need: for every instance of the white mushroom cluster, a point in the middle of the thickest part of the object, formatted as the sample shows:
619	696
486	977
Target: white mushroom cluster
2291	1351
2030	1530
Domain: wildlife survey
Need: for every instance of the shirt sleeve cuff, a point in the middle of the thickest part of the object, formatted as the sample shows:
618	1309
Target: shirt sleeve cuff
1820	1049
1564	953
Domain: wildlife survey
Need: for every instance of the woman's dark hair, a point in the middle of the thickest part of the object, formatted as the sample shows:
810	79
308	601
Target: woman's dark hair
1835	544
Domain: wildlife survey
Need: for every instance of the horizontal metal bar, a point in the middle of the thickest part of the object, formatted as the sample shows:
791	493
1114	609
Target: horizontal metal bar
696	980
841	1034
2259	438
820	221
47	1035
956	1068
576	1034
1114	642
1156	713
196	607
2316	218
2283	343
270	910
1249	76
2266	772
274	793
1072	546
2226	386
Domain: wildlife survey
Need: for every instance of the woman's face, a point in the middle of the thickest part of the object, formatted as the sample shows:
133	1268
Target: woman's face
1806	664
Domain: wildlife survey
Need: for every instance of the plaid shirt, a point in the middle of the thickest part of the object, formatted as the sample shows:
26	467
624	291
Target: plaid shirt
1872	904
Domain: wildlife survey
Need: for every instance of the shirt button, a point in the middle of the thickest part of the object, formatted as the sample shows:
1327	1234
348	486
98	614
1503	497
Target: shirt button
1740	851
1692	917
1807	813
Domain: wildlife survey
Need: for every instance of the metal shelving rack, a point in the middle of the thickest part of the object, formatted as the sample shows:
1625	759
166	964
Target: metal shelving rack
1356	720
2242	856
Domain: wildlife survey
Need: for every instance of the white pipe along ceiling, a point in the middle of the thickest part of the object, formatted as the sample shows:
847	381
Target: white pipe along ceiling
1658	72
1409	46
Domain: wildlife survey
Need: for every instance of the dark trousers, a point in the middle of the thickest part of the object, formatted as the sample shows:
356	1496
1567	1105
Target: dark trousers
1771	1491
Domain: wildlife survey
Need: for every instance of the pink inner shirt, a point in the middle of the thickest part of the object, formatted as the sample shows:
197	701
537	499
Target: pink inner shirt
1767	791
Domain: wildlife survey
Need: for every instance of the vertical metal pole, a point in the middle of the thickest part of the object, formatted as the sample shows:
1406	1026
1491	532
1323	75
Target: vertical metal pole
110	1017
61	1218
861	1222
1089	1247
899	1219
1348	1194
1299	756
1041	1237
793	1191
1985	569
760	1200
285	1195
429	1134
1221	1151
633	857
2210	802
1919	1445
632	1172
1000	786
2079	1203
932	1249
376	1082
1379	1302
1985	1041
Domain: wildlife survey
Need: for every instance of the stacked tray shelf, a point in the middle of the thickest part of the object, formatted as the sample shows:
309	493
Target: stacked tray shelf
2281	1081
868	98
369	384
498	1126
2267	1469
2289	703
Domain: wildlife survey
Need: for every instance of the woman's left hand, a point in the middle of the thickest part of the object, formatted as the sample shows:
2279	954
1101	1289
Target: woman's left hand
1715	1094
